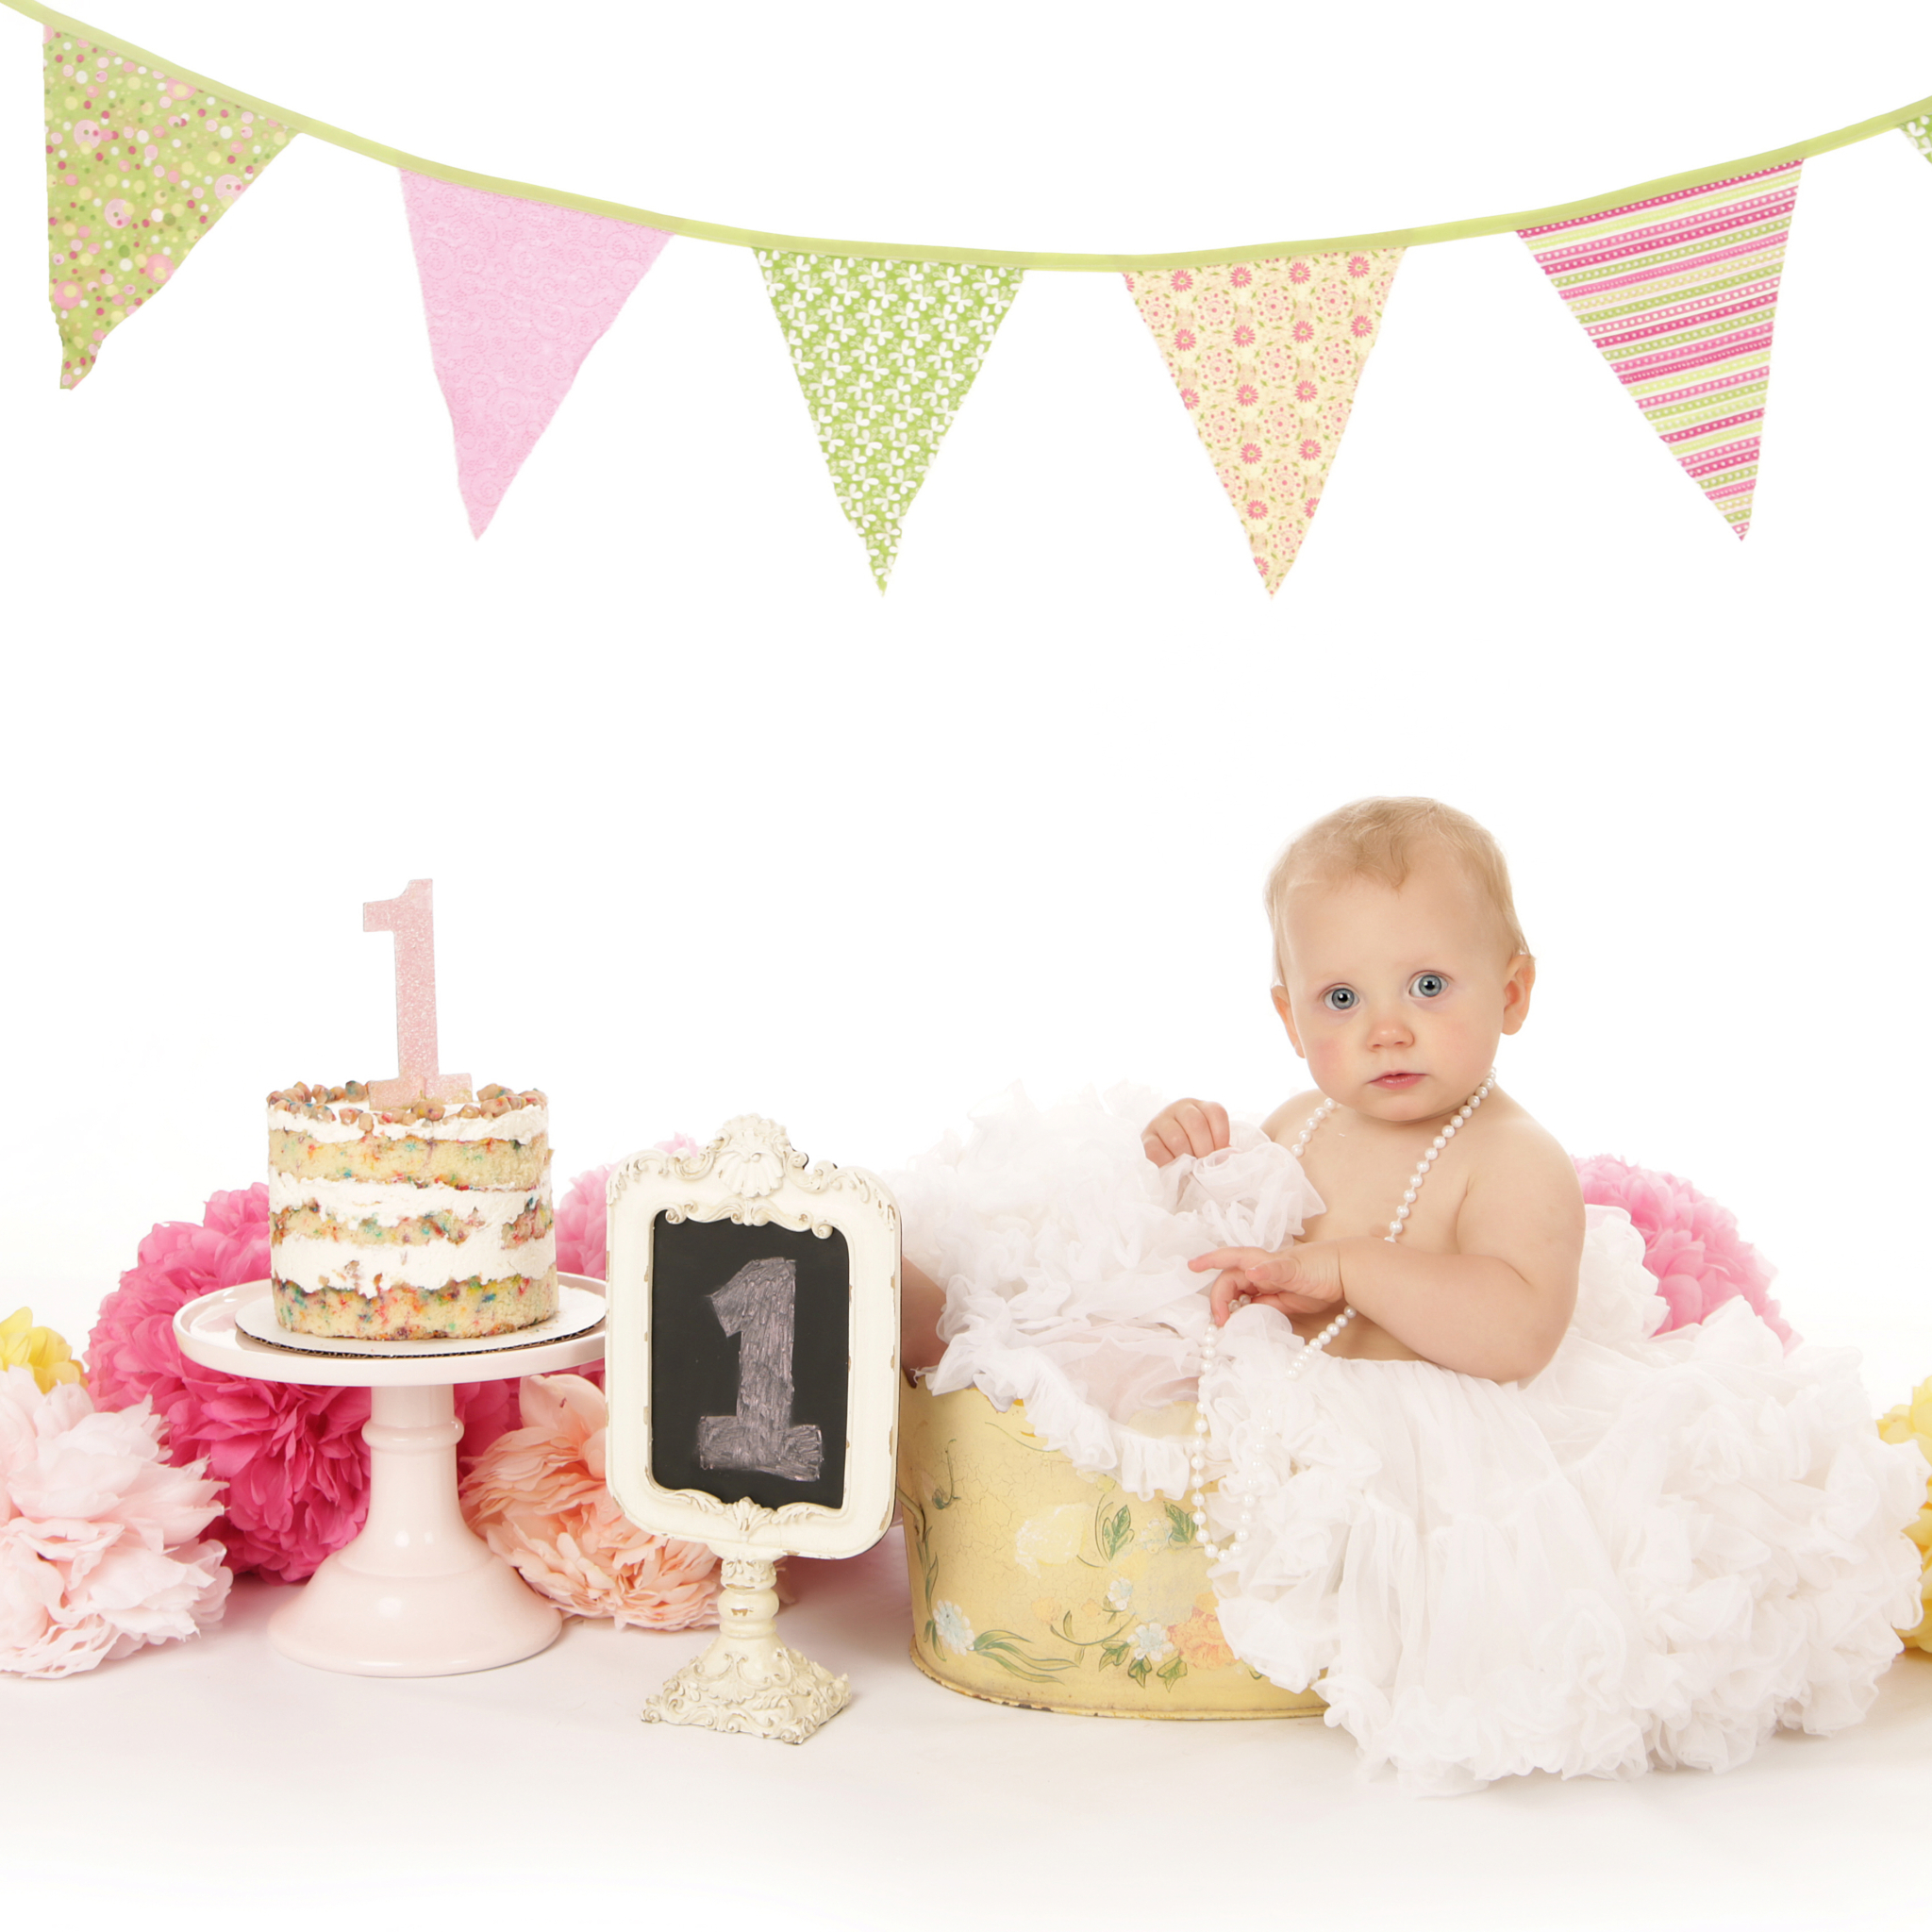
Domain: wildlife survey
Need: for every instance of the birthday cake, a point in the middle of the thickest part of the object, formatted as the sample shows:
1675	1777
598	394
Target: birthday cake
416	1221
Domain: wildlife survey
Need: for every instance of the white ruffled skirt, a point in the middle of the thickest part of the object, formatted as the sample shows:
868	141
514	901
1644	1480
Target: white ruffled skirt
1657	1551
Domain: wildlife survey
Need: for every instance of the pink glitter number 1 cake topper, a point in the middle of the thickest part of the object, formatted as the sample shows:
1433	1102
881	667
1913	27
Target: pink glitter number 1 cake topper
409	918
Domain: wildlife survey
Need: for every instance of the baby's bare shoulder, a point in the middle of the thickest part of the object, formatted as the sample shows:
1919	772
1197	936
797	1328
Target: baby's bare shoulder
1518	1154
1285	1123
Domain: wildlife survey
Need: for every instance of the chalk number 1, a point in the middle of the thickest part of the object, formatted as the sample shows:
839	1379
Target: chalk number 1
759	1305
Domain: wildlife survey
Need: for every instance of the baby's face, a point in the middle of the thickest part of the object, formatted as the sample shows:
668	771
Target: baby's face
1397	999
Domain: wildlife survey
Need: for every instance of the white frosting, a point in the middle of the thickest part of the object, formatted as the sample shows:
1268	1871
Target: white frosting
522	1123
389	1202
307	1263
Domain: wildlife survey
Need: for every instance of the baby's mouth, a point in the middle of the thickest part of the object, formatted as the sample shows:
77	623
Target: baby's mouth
1394	1082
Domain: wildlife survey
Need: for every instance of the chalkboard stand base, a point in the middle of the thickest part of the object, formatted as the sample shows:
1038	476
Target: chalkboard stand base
747	1681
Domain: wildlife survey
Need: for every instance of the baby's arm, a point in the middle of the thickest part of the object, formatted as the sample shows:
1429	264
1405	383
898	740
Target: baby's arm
922	1302
1497	1309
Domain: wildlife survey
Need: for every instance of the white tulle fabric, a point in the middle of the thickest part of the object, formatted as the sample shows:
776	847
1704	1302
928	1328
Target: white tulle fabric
1657	1551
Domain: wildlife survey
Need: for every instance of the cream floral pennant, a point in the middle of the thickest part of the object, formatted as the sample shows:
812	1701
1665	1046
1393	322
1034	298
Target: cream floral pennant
1267	356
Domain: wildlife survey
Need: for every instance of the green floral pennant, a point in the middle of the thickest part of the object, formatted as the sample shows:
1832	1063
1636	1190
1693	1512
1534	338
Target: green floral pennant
1918	133
139	167
885	353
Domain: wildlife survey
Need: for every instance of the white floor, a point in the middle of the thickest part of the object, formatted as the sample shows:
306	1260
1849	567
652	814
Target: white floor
218	1784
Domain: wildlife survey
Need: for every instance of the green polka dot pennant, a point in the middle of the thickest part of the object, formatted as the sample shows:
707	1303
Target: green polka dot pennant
885	352
139	167
1918	133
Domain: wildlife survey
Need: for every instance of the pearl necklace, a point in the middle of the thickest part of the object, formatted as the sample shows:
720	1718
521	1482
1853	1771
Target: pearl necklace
1210	1343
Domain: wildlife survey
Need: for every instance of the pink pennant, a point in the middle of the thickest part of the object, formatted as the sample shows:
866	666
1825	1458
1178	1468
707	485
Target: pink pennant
517	294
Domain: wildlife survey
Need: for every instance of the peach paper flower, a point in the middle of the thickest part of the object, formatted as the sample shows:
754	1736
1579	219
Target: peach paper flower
537	1496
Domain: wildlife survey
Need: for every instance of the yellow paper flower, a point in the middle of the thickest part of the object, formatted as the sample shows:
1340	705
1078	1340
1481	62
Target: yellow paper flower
1912	1421
24	1346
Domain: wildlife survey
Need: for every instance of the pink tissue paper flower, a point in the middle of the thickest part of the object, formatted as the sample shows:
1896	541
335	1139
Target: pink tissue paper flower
293	1457
581	1215
98	1554
580	1224
537	1496
1689	1243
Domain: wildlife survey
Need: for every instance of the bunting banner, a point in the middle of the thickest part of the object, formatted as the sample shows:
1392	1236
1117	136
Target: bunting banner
1679	291
139	167
1675	281
885	352
516	295
1266	356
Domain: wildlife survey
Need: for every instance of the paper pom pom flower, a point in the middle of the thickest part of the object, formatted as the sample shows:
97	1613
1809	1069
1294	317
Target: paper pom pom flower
293	1457
24	1346
98	1533
580	1222
1689	1243
581	1217
536	1497
1911	1422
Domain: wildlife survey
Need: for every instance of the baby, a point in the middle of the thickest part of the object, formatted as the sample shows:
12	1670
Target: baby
1399	965
1443	1462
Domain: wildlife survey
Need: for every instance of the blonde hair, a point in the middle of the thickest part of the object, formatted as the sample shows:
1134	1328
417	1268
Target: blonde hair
1382	839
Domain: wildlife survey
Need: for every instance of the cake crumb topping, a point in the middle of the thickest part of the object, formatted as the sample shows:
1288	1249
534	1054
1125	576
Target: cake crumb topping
320	1102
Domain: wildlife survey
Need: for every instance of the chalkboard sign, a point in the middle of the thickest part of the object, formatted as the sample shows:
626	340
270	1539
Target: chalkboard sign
753	1347
750	1369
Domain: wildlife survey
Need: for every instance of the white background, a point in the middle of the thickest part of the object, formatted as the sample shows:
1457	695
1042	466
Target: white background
715	828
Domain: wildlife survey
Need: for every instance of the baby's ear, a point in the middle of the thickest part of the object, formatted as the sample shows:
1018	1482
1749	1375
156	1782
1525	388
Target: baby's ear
1280	995
1517	984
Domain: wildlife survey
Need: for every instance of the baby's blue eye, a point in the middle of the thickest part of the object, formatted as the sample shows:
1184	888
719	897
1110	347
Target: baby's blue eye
1426	986
1341	999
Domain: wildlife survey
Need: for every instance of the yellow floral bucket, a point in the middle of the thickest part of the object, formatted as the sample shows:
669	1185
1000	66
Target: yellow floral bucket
1034	1584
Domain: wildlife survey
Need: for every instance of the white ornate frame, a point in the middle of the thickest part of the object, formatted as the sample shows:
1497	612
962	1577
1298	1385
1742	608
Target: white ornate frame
752	1174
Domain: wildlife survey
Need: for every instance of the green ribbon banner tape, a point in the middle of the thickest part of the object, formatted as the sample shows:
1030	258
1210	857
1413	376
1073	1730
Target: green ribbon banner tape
993	258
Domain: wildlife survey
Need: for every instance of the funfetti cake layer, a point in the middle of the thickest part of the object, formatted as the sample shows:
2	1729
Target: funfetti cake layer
413	1222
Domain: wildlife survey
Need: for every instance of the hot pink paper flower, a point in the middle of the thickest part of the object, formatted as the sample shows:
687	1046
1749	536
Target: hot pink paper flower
291	1456
1689	1243
537	1496
98	1554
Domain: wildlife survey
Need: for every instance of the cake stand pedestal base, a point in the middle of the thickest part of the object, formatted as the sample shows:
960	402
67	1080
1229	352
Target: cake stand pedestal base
417	1594
748	1681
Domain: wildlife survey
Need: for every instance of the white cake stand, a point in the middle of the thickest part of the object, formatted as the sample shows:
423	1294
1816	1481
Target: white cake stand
417	1594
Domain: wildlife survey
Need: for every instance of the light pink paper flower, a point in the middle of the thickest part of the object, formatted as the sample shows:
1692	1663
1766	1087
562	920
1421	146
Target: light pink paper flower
292	1456
1689	1243
580	1224
98	1554
537	1496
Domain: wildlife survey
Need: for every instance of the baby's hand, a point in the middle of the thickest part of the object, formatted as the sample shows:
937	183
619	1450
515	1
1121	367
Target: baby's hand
1188	1127
1304	1280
